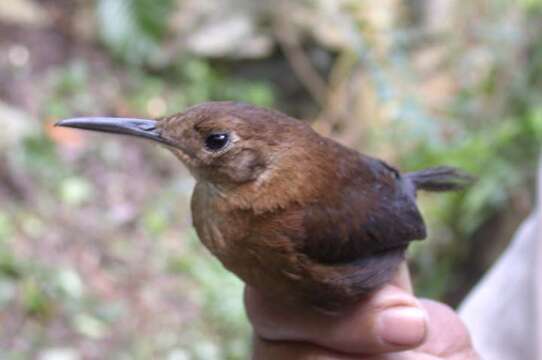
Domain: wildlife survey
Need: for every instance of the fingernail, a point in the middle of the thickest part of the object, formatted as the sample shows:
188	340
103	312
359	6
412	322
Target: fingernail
402	326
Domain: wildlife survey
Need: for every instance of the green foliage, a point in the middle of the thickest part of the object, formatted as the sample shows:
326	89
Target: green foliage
501	159
38	156
531	4
35	299
132	29
45	291
220	292
205	83
69	91
74	191
6	228
192	81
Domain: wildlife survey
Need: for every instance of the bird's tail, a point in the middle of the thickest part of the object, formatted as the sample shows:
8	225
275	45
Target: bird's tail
440	178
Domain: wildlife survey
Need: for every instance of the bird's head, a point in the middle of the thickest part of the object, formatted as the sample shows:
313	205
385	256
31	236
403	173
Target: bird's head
225	143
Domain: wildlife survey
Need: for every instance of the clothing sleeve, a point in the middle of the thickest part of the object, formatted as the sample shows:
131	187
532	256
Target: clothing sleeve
504	311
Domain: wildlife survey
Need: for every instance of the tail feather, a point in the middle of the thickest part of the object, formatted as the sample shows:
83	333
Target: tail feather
440	178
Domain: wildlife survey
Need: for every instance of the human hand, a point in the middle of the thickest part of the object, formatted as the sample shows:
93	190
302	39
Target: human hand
389	325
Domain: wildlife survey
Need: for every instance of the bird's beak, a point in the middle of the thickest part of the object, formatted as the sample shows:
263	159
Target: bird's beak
142	128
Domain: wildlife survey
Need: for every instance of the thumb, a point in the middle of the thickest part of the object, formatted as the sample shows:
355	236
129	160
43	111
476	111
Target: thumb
389	320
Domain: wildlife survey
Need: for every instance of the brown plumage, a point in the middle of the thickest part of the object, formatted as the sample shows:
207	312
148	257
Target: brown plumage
292	213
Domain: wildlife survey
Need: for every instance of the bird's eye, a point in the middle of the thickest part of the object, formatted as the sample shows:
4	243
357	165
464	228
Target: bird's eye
215	142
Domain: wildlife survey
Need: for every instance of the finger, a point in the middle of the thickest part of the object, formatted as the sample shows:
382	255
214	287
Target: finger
286	350
447	335
447	338
390	319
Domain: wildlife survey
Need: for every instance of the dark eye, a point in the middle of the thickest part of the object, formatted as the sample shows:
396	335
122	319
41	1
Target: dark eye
215	142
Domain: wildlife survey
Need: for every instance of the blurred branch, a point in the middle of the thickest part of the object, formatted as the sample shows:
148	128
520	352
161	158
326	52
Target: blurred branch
333	97
299	61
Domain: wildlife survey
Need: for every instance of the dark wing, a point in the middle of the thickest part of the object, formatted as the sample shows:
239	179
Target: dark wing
375	210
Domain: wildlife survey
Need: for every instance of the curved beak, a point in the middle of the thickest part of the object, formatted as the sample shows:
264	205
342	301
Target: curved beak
142	128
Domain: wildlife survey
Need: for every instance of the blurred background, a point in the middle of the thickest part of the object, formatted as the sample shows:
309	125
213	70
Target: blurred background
97	255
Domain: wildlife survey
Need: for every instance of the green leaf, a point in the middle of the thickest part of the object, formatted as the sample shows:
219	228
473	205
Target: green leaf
133	29
90	326
74	191
70	283
34	298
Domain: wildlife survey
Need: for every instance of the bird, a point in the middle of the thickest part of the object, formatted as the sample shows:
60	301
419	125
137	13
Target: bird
293	214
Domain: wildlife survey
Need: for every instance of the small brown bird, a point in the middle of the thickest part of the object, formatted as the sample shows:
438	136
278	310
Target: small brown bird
292	213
